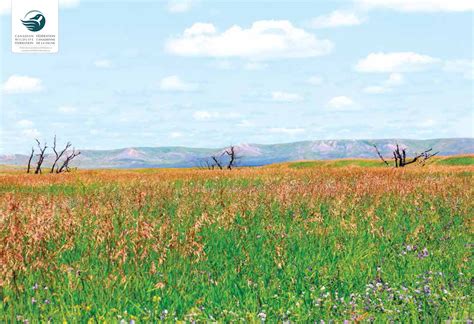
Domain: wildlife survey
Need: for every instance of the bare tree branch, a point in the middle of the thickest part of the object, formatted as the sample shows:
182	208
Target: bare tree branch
40	156
58	155
217	161
69	158
379	154
29	160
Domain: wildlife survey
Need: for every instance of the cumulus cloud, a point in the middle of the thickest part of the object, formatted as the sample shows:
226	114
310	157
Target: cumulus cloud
174	83
394	80
179	6
286	131
336	19
176	134
27	129
281	96
25	123
395	62
341	103
22	84
31	133
265	39
464	67
204	115
419	5
103	64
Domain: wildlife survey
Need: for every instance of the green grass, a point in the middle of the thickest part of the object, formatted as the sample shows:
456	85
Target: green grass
456	160
343	244
336	163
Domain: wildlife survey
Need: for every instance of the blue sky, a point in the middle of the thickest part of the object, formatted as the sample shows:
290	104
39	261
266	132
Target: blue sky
210	74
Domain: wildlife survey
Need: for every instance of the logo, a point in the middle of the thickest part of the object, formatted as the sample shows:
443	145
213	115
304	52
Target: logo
34	20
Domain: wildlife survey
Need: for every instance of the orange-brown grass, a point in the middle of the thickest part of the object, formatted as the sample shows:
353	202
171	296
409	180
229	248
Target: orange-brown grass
277	243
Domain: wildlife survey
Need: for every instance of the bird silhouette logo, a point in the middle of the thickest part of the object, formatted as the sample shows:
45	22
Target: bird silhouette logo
34	20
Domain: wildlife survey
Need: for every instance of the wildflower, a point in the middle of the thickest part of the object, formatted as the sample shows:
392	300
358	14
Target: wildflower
423	254
132	321
262	316
427	289
47	301
35	286
33	300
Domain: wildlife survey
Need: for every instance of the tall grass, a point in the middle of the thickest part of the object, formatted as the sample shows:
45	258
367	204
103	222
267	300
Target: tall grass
270	244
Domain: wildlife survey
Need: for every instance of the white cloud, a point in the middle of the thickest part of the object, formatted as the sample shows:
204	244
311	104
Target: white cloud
281	96
464	67
287	131
103	64
395	62
203	115
25	123
5	5
341	103
336	19
67	109
245	123
394	80
265	39
419	5
179	6
174	83
31	133
22	84
315	80
69	3
176	134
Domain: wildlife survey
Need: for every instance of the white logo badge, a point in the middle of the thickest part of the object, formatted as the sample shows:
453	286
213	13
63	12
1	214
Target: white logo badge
35	26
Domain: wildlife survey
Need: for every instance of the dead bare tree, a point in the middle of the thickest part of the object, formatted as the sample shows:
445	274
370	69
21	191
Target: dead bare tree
29	160
65	166
58	154
400	156
231	152
380	155
217	161
40	156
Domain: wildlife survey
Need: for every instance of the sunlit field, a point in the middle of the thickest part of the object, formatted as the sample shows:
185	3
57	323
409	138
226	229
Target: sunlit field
292	242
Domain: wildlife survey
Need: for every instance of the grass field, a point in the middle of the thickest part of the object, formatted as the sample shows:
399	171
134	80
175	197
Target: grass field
292	242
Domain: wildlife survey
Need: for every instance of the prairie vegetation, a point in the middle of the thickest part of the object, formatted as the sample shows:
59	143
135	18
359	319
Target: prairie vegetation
274	243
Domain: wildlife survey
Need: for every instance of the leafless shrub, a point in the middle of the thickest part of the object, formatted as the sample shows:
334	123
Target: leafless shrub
400	157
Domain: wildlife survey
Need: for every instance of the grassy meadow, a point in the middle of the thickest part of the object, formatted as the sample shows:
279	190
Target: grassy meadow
294	242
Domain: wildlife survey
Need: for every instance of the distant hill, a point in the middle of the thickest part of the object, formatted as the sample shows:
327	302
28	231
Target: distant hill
253	154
